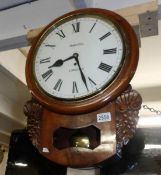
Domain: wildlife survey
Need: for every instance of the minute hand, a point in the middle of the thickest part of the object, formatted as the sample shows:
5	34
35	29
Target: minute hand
81	72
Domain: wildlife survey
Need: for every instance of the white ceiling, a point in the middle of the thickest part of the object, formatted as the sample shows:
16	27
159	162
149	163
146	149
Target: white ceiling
4	5
147	79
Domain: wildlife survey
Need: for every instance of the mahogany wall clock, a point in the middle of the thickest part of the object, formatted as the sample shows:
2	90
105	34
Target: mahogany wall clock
76	68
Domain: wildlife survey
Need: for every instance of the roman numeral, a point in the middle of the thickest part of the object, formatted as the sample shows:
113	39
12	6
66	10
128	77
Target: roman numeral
110	51
105	67
75	89
45	60
105	36
58	85
61	34
91	82
47	74
92	27
76	27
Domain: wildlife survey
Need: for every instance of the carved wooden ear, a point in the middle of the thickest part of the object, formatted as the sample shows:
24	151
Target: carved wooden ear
128	105
33	110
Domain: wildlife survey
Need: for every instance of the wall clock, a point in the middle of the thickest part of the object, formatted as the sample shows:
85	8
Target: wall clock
76	69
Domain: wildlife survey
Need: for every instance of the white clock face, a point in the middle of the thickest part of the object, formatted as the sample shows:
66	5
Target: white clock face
78	57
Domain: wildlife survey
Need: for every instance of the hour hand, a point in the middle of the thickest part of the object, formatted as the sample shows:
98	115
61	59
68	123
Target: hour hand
57	63
60	62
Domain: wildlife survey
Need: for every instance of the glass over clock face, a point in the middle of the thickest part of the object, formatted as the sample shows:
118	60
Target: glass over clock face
78	57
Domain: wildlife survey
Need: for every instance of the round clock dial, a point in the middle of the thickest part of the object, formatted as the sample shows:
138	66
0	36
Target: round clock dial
82	60
78	56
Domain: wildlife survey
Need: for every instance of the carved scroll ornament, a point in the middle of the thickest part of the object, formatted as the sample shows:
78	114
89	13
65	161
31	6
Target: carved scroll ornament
128	105
33	111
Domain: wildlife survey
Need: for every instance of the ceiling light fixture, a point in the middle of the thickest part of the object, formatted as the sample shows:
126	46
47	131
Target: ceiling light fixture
152	146
21	164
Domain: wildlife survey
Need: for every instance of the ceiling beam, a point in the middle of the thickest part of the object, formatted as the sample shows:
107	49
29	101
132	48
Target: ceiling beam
7	4
133	11
116	4
12	92
7	124
14	70
9	109
12	43
4	138
16	22
159	12
131	14
79	4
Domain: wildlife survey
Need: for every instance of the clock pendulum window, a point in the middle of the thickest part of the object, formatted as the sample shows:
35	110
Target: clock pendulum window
78	70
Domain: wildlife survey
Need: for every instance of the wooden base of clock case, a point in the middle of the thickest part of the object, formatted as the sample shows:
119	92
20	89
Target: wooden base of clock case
50	132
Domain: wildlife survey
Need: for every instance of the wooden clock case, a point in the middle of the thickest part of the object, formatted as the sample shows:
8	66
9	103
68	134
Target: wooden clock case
52	122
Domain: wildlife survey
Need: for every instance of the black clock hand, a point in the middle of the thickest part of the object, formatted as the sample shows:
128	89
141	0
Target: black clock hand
57	64
81	72
60	62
